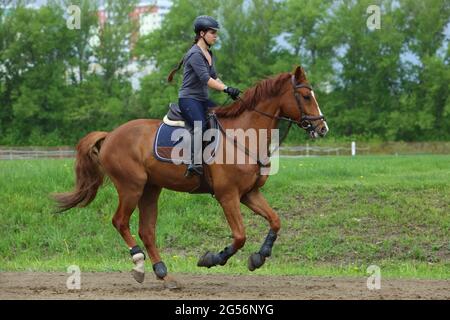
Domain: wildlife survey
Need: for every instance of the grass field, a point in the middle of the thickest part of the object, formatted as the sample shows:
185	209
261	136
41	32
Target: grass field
339	215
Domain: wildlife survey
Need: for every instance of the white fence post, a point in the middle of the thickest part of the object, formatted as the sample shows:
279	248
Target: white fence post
353	148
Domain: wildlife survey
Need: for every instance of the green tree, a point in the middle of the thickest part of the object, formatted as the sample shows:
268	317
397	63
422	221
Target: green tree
246	52
83	38
33	60
426	87
113	52
391	83
305	26
367	68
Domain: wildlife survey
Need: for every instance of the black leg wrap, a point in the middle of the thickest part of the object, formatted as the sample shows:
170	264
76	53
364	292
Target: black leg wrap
225	254
136	249
160	269
266	248
255	261
210	259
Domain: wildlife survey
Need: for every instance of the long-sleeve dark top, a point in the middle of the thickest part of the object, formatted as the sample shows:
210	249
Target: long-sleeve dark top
196	74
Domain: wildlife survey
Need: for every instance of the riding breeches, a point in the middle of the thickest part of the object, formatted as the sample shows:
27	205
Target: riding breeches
194	113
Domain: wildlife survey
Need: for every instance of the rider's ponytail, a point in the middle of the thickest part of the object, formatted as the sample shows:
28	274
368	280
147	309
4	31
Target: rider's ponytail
172	73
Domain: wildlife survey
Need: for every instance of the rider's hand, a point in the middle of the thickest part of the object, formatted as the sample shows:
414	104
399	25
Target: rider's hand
232	92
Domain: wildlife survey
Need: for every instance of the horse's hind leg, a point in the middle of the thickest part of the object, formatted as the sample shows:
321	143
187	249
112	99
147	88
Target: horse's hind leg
129	195
256	202
148	213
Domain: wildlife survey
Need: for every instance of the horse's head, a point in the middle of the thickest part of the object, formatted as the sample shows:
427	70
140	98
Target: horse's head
299	103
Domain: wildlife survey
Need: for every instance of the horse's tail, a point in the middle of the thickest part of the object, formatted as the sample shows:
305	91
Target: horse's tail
89	174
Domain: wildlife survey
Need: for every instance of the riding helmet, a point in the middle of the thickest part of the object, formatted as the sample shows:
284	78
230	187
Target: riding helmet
203	23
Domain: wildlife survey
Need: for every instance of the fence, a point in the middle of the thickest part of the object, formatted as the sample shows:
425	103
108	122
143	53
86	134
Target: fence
306	150
35	153
367	148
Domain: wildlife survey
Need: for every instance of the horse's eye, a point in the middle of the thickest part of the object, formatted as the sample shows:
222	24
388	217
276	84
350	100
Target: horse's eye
306	97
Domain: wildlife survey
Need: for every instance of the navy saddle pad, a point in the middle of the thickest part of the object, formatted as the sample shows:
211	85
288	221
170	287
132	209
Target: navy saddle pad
169	137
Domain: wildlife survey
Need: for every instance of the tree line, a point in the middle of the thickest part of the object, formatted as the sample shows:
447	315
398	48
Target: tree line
385	83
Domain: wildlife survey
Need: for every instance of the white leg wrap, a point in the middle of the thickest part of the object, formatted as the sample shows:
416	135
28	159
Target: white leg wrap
138	260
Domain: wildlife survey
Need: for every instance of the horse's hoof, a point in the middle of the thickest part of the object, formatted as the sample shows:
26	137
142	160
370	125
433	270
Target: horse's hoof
138	276
171	284
255	261
207	260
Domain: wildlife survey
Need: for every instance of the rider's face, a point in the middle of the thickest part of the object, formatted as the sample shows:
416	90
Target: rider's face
211	36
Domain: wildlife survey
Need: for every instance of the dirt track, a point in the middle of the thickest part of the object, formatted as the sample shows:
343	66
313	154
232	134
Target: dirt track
118	285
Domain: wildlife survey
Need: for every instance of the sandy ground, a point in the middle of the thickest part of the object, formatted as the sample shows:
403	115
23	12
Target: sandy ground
120	285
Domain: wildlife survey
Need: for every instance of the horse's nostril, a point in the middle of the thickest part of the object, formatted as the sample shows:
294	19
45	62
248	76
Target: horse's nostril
323	130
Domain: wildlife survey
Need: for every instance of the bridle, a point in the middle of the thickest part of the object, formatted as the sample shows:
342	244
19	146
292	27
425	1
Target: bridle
305	121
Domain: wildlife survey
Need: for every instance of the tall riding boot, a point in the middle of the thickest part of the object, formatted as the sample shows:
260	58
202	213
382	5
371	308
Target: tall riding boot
195	168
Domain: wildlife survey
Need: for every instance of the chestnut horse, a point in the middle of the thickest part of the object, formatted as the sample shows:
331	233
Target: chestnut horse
125	155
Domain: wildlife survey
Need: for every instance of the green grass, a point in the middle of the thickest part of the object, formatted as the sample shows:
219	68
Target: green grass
339	215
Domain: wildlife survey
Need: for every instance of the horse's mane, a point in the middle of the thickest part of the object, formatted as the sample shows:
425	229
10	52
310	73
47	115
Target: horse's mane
262	90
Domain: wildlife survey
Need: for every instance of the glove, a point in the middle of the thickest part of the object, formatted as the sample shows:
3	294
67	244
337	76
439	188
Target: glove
232	92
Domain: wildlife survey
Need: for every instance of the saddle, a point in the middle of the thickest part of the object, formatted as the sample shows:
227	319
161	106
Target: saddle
174	117
174	126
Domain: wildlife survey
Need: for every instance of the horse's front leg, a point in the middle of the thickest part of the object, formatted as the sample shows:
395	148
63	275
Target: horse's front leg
256	202
231	207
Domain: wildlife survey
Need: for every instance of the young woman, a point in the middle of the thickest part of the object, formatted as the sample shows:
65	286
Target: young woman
199	74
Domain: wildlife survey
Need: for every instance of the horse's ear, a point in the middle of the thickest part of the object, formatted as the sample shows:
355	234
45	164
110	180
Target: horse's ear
300	74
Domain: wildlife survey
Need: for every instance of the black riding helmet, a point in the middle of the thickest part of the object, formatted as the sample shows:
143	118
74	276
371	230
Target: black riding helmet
203	23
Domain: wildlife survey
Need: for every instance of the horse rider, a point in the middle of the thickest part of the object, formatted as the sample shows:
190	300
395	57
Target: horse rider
199	73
